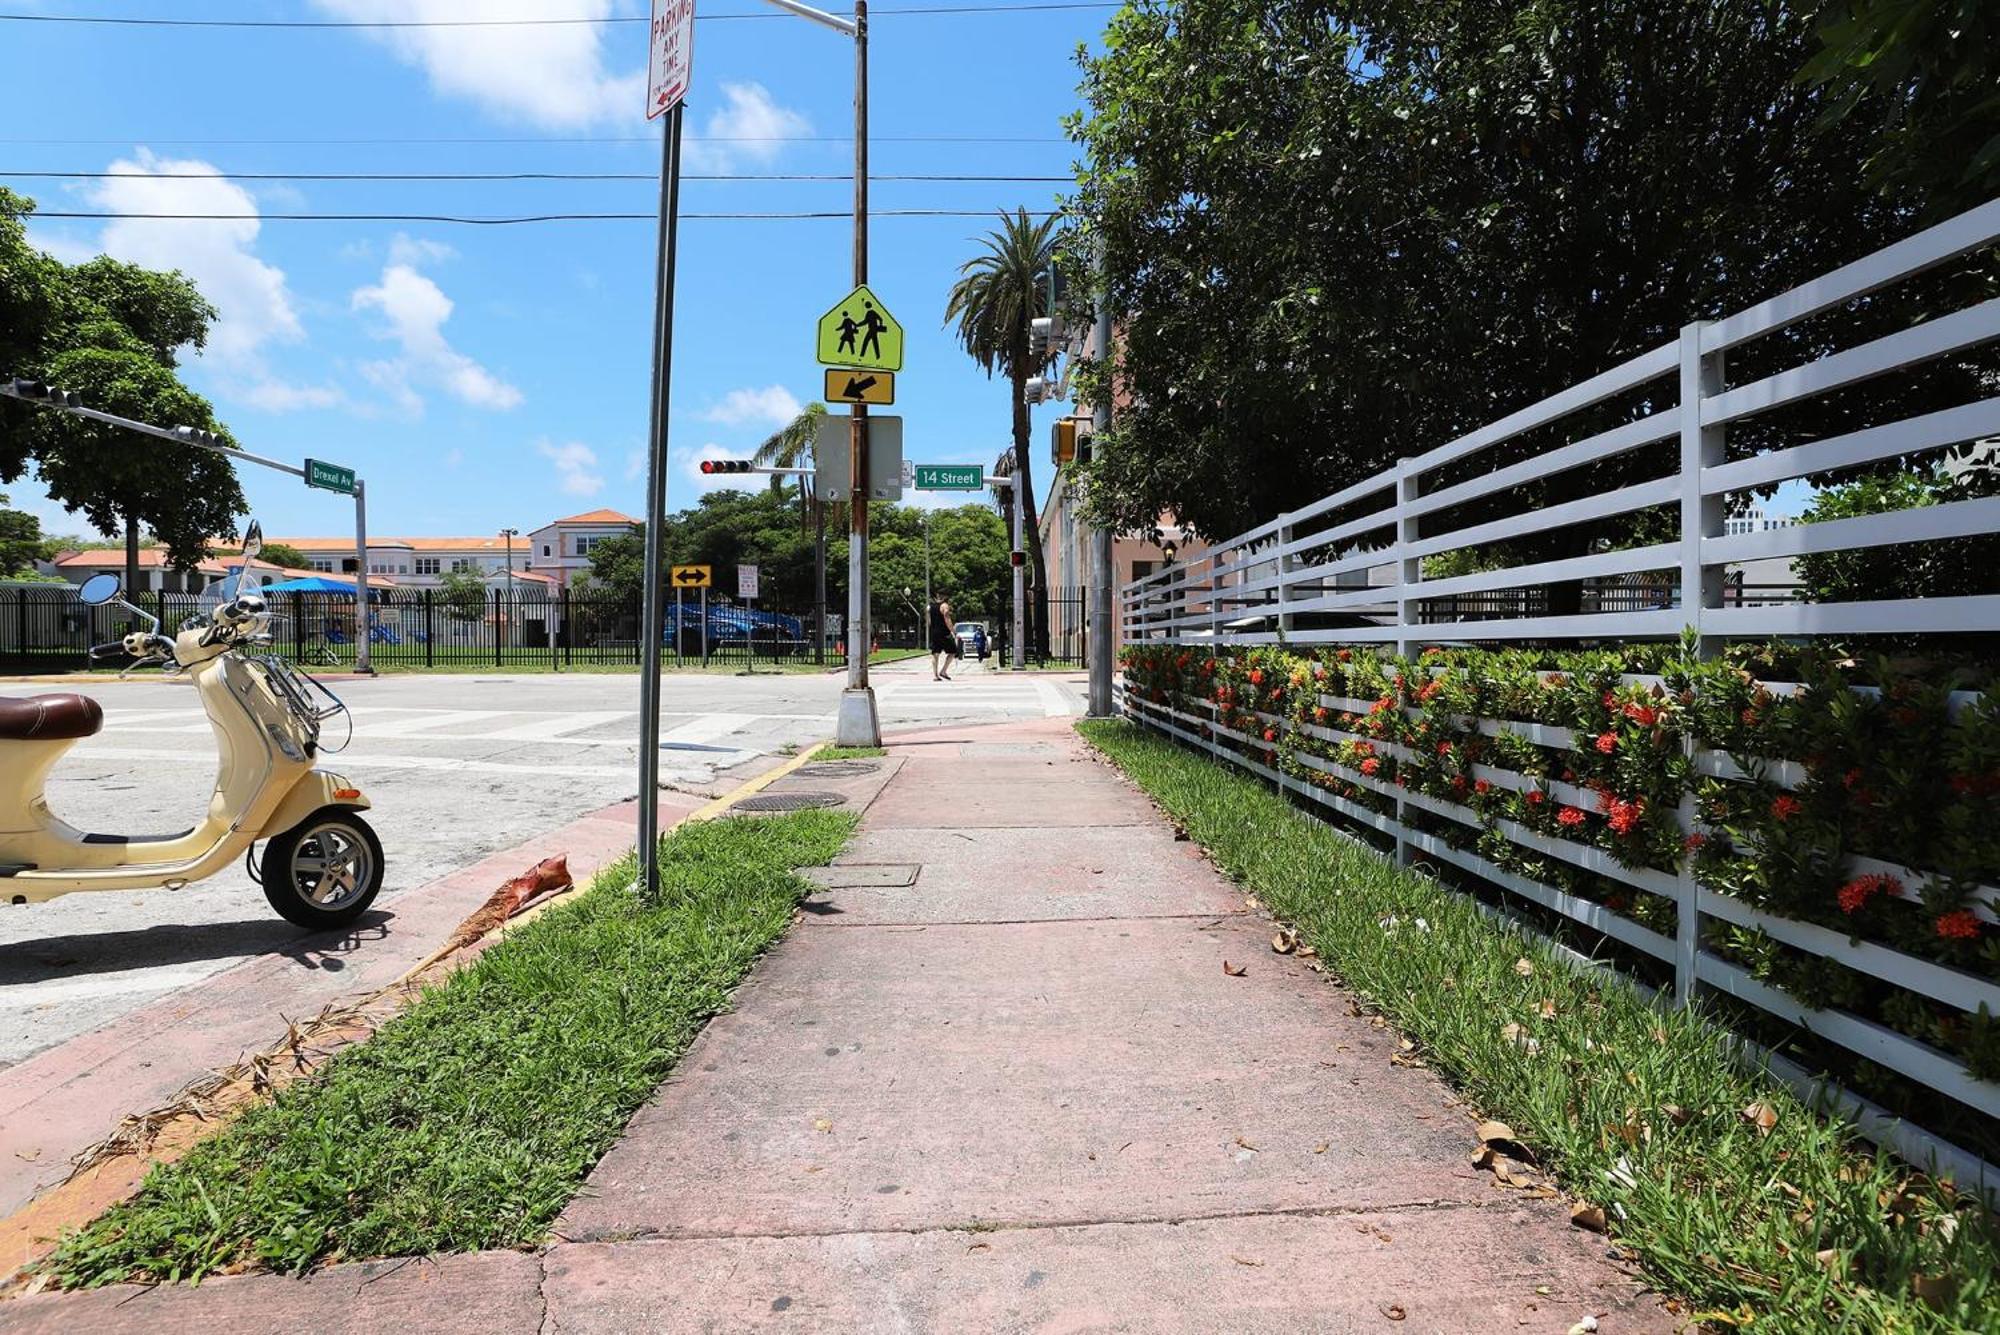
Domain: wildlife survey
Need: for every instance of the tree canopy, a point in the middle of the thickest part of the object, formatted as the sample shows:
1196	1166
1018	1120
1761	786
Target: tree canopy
1337	237
112	332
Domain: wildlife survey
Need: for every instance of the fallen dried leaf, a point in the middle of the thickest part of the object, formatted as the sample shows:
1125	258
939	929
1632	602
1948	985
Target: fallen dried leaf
980	1247
1585	1215
1547	1010
1490	1131
1285	942
1394	1311
1235	970
1676	1114
1587	1326
1319	1149
1937	1291
1829	1260
1248	1146
1524	966
1761	1115
1244	1260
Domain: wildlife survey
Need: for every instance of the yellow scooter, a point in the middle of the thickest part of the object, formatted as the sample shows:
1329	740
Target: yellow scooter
322	866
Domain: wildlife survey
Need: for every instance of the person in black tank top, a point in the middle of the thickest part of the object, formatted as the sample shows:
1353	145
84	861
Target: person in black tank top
943	641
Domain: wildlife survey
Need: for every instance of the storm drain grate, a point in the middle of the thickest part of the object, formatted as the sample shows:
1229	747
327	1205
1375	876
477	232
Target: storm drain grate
838	769
788	801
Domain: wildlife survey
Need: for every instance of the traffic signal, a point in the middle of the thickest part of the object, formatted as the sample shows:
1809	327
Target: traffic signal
37	392
1039	389
1062	441
726	465
1044	338
207	439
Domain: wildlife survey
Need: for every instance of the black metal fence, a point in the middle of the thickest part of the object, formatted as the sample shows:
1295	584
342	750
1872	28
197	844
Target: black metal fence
44	628
1064	644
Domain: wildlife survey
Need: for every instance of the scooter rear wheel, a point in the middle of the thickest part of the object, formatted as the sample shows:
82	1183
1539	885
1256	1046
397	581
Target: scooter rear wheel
325	871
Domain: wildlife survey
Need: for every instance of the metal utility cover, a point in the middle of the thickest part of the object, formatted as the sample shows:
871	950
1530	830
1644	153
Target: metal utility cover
885	459
788	801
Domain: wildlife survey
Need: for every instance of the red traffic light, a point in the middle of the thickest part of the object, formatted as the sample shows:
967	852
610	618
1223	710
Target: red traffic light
1017	558
726	465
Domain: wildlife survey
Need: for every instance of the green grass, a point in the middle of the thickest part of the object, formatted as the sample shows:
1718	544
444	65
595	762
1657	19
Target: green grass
849	753
1635	1107
471	1120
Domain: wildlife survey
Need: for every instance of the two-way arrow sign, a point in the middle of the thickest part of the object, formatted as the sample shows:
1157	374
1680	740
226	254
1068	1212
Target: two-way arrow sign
691	577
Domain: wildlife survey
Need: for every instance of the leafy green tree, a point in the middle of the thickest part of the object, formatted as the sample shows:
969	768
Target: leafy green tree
285	555
21	542
464	595
1925	76
1952	566
111	332
999	293
618	565
1361	232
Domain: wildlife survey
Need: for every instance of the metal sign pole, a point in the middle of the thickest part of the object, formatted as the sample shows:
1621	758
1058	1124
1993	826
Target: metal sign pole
361	623
857	723
1103	614
653	604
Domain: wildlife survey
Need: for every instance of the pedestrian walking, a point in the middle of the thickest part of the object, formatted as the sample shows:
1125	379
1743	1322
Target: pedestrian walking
944	642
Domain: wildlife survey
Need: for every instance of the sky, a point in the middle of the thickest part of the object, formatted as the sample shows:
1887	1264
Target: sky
484	377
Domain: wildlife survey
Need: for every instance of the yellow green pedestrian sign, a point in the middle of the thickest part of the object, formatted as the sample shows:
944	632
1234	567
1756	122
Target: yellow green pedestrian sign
860	332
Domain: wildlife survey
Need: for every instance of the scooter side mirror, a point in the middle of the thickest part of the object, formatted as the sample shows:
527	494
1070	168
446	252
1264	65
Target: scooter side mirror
253	540
99	589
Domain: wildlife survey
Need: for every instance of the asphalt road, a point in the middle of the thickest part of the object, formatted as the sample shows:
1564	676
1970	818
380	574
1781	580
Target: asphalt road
457	766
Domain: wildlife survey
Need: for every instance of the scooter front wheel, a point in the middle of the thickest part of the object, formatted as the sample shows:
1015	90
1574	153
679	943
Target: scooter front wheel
325	871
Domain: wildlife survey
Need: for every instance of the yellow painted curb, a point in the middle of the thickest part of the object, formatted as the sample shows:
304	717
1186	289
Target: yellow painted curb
762	781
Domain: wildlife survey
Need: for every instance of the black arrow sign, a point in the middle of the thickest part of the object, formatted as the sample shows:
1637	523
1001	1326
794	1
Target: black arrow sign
689	577
856	388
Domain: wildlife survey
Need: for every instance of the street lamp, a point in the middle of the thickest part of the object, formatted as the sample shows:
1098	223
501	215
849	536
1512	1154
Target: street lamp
857	723
509	534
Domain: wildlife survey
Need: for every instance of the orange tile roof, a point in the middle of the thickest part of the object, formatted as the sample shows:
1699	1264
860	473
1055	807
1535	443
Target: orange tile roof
594	517
496	545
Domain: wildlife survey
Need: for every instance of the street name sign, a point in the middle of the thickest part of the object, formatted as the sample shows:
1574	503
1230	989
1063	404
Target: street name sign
329	477
670	59
692	577
950	477
746	581
833	469
860	332
845	385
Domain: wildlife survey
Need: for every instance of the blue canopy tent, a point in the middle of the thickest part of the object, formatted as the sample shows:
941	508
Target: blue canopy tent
310	584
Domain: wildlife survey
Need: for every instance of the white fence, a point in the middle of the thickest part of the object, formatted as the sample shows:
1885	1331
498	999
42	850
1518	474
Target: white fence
1671	436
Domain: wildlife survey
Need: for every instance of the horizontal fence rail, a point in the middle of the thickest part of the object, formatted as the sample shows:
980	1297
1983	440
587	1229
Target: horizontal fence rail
1599	519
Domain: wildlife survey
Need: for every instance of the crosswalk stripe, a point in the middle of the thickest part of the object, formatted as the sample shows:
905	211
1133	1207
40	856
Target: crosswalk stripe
552	729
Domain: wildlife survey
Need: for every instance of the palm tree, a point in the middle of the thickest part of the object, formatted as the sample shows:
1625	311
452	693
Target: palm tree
998	293
791	446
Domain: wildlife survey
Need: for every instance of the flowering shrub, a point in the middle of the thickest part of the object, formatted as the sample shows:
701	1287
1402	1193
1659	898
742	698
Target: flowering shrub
1827	778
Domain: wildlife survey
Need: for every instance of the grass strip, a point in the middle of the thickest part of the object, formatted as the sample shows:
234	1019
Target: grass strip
849	753
470	1120
1639	1108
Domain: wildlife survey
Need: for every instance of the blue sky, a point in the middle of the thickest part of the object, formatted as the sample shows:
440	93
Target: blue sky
489	376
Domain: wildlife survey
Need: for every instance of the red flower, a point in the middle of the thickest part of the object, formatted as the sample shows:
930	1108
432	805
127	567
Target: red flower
1344	655
1458	784
1319	672
1571	816
1854	896
1482	787
1270	734
1749	718
1429	689
1611	700
1370	766
1607	742
1643	715
1853	777
1694	843
1905	717
1444	748
1960	783
1784	806
1959	924
1536	797
1319	714
1383	706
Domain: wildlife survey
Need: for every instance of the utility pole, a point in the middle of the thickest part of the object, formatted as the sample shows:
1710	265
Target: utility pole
927	560
1103	611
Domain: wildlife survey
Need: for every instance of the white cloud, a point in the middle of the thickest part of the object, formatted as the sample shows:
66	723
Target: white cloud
635	465
550	75
772	404
415	309
414	250
277	396
576	466
749	127
254	306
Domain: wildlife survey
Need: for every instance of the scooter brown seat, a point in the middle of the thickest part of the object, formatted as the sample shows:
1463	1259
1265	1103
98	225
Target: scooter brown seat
50	718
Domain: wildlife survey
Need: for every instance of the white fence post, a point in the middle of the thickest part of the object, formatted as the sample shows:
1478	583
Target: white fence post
1701	588
1409	573
1284	573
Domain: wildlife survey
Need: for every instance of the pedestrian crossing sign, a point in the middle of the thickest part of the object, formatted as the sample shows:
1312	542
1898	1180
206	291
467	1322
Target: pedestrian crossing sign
860	332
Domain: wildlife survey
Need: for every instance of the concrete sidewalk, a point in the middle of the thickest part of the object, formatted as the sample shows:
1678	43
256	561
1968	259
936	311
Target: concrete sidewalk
998	1078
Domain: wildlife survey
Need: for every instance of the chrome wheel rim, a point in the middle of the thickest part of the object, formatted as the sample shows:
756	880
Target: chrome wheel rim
332	866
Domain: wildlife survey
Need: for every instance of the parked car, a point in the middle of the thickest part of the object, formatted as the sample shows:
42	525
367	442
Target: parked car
972	639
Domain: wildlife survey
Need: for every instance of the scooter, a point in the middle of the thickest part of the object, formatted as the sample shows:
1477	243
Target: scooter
322	865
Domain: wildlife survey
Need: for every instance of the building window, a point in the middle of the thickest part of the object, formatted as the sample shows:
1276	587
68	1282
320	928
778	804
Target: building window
427	565
460	567
322	564
545	549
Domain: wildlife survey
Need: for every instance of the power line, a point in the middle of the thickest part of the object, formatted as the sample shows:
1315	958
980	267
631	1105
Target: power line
129	140
309	24
511	176
487	221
